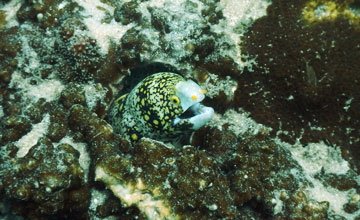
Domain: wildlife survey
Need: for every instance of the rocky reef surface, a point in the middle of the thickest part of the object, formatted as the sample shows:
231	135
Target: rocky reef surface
282	76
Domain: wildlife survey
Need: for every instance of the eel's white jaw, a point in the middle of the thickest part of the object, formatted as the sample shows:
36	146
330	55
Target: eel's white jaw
201	115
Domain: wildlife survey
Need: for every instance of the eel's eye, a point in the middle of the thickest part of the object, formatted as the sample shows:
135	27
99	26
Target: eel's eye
175	100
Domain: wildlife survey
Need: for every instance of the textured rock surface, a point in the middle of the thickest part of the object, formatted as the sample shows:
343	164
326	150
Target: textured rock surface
290	65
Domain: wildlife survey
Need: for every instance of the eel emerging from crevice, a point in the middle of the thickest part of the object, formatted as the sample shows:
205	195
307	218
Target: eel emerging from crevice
163	106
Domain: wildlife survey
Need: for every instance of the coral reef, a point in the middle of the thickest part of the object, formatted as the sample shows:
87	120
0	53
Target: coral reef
282	77
58	189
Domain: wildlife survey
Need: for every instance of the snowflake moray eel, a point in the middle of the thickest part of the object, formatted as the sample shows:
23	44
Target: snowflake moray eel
162	106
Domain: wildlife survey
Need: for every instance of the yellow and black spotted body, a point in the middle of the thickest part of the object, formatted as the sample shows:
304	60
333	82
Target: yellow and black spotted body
155	108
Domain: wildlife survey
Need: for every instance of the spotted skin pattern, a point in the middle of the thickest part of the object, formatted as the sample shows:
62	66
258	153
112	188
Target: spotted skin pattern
150	109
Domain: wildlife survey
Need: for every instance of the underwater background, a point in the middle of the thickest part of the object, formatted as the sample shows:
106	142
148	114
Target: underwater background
283	78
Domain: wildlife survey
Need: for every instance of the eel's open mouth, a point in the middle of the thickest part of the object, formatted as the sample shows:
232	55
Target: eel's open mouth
190	112
197	115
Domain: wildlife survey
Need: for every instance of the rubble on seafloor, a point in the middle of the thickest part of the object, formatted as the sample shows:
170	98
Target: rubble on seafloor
282	76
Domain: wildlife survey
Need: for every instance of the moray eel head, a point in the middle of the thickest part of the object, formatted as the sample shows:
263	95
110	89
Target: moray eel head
190	95
163	106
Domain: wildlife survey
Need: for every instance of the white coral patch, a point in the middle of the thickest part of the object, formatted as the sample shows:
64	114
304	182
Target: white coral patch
30	139
95	12
11	9
136	194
